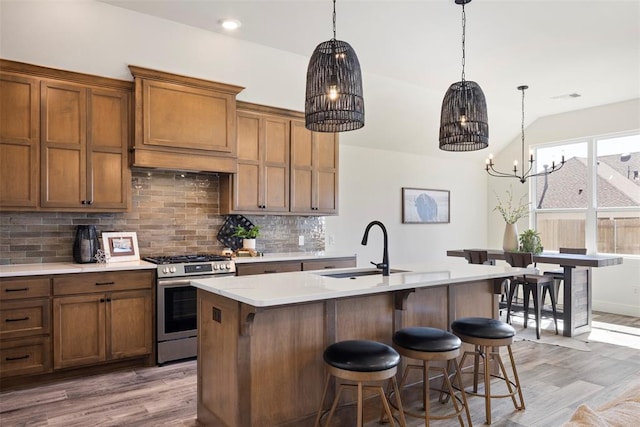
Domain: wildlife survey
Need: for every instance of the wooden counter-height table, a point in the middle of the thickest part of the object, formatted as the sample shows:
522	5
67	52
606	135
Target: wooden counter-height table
577	295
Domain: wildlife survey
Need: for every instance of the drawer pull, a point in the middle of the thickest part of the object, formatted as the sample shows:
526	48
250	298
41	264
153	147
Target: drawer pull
17	320
105	283
10	359
270	271
16	290
329	266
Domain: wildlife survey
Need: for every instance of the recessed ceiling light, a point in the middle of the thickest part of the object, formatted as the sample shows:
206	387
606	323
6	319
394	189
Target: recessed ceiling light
230	24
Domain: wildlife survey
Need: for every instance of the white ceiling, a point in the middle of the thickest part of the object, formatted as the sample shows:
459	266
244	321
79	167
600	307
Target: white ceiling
588	47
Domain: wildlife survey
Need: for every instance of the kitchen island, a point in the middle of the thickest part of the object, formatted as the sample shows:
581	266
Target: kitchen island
261	338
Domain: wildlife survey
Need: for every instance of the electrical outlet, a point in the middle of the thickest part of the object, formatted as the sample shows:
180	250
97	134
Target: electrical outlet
300	240
332	239
636	290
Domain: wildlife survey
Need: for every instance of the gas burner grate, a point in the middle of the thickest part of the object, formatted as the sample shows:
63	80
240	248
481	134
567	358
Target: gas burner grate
185	259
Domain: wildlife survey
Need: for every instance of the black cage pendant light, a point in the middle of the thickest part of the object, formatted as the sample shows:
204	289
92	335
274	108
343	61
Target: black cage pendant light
334	101
463	121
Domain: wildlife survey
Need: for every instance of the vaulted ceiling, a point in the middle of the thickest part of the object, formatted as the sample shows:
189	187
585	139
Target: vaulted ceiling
558	48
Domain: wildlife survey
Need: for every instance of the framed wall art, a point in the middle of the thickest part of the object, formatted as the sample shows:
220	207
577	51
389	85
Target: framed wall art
121	246
425	206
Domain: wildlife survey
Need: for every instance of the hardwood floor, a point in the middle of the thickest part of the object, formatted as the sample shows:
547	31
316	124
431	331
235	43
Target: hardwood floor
556	380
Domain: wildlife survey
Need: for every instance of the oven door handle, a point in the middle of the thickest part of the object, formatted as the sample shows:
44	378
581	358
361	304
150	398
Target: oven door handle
178	282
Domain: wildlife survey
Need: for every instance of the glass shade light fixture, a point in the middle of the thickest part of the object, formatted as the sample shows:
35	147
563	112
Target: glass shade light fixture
334	101
463	120
523	176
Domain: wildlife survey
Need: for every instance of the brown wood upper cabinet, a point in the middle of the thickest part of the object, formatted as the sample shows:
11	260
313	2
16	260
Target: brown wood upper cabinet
85	134
183	122
19	140
314	171
63	140
282	166
262	181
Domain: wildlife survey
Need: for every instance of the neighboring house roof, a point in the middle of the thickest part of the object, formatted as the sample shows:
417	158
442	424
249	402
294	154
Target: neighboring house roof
567	187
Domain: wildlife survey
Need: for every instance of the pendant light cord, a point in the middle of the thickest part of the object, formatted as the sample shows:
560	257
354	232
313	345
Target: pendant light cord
464	26
522	125
334	19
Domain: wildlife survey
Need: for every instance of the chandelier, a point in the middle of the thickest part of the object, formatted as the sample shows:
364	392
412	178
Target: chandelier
523	176
463	119
334	101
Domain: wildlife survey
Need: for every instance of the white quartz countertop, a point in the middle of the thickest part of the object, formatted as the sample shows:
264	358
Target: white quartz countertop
267	290
69	267
291	256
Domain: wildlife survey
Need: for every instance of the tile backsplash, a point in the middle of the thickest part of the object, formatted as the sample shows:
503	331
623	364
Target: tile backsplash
172	213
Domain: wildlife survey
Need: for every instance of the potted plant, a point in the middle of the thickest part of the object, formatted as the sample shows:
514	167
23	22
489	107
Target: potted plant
511	213
248	236
530	242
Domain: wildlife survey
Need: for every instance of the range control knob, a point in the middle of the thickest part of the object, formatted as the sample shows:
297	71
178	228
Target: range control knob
165	270
227	266
216	266
172	270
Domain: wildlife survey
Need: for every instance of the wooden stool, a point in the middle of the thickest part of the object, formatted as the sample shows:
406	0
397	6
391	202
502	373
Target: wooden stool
431	344
361	361
484	334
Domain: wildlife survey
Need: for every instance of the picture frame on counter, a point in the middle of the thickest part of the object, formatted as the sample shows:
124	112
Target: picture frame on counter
425	206
121	246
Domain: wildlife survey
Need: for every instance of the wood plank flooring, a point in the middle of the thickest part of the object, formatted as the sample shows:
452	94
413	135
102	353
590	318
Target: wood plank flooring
556	380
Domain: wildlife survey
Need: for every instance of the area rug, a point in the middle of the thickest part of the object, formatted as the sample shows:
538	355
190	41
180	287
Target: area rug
548	335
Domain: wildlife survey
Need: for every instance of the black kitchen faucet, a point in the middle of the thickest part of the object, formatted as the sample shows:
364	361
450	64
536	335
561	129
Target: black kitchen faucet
384	265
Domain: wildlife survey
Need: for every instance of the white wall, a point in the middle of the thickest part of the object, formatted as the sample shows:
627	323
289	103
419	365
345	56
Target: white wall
614	288
100	39
97	38
371	188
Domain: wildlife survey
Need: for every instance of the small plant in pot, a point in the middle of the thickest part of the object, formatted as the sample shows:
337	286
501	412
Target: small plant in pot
248	236
530	242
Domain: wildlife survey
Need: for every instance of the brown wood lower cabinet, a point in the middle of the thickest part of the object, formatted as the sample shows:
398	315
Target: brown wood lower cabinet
25	326
266	267
101	325
67	324
326	264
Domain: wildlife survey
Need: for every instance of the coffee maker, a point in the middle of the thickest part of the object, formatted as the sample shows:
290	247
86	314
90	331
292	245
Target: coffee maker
86	244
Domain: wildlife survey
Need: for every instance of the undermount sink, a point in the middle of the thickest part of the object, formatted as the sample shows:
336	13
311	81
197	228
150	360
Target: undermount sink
356	274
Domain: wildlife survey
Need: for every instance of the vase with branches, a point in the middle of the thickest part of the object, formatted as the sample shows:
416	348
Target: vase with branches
511	213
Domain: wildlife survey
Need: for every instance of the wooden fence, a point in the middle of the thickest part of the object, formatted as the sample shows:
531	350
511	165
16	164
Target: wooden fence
615	235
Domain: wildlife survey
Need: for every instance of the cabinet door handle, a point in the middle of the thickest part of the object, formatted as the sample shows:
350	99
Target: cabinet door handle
9	359
16	290
102	300
21	319
105	283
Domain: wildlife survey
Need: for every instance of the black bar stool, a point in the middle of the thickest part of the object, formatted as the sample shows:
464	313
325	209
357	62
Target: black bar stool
532	284
488	335
361	361
431	344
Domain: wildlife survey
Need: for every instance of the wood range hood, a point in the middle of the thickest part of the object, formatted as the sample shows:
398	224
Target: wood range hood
183	123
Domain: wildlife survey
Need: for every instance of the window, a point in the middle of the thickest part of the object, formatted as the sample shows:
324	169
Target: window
593	201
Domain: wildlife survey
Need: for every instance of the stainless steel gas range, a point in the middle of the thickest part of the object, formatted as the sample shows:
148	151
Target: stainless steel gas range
176	314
